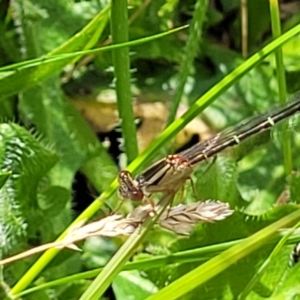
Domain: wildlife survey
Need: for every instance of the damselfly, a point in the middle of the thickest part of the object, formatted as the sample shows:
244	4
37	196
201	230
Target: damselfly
172	171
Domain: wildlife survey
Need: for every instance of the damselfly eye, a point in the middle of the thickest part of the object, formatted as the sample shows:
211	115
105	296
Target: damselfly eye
124	176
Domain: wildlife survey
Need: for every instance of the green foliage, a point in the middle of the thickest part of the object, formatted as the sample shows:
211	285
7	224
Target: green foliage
3	177
21	155
21	78
45	141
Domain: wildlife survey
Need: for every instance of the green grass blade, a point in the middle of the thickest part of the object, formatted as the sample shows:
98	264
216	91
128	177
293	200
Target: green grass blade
281	81
221	262
23	75
119	32
187	256
264	266
17	77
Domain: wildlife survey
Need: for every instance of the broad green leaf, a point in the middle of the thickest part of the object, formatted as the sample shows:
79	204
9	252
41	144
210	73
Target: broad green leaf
63	127
289	285
217	180
53	200
132	283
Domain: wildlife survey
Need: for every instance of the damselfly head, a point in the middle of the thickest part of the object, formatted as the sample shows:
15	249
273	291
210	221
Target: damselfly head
128	187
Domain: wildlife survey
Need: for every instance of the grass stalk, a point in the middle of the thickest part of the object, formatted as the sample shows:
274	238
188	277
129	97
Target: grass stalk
281	82
121	62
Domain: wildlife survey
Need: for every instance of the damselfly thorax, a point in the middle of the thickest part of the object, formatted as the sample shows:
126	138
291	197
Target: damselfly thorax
169	173
163	176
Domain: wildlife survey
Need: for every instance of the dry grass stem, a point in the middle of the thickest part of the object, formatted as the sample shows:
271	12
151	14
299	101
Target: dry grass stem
183	218
180	219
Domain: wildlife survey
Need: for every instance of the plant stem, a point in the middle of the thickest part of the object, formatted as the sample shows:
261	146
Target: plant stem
119	32
281	81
